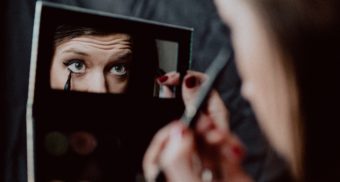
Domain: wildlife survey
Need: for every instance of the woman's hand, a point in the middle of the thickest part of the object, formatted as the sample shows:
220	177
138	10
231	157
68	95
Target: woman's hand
166	82
207	153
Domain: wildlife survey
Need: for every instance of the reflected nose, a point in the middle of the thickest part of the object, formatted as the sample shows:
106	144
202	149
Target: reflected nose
97	83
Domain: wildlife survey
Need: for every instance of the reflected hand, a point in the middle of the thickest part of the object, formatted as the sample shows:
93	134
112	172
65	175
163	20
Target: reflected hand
210	152
166	83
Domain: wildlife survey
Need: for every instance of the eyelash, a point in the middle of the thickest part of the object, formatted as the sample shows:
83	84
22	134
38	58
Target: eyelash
70	63
125	67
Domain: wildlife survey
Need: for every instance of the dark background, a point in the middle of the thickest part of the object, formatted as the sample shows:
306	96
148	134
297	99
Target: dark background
209	36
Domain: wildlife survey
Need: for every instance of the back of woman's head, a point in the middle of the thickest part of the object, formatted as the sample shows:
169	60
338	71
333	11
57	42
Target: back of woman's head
308	32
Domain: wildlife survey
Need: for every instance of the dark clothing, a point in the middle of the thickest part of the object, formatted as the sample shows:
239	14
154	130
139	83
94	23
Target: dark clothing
209	35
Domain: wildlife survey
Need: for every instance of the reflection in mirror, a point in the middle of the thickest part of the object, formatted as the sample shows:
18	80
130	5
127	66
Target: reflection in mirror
89	59
167	57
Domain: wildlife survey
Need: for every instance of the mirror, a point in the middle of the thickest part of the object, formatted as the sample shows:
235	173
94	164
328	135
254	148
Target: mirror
94	98
90	59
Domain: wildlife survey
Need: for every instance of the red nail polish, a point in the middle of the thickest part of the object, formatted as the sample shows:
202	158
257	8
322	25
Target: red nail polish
163	79
183	130
237	151
190	82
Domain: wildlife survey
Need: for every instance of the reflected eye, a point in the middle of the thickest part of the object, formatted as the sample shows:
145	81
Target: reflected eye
76	66
120	70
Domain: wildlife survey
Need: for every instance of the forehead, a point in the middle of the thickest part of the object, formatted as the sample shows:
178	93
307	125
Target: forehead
114	41
109	39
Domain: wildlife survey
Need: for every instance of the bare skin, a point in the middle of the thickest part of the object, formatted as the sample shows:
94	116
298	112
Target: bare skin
268	86
184	154
99	64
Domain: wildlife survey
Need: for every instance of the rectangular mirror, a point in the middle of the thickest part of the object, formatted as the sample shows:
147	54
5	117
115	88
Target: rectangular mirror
94	100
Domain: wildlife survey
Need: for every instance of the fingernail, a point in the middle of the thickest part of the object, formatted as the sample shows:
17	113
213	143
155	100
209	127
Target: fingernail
237	151
190	82
182	130
163	79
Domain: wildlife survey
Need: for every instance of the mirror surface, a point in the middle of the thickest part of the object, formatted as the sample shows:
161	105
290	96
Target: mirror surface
89	59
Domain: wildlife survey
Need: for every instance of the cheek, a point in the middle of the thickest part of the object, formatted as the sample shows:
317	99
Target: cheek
253	55
254	62
245	57
264	84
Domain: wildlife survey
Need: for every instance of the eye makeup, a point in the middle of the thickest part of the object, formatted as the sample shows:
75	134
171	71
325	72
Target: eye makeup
120	69
76	65
67	86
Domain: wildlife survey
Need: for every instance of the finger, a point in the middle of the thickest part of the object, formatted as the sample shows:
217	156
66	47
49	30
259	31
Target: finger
170	79
224	158
213	122
236	147
151	157
215	107
204	124
166	92
191	84
209	139
232	154
217	111
166	84
227	144
179	147
176	159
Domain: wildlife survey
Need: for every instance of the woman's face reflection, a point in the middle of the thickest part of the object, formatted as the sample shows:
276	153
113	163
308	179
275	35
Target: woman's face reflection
97	63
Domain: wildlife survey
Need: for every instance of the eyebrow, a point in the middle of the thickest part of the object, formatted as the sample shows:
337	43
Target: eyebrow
75	51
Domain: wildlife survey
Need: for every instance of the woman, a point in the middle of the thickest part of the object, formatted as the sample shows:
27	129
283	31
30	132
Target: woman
87	60
103	60
283	49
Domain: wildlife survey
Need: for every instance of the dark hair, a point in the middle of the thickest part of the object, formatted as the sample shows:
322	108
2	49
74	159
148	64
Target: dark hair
71	31
145	56
308	32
